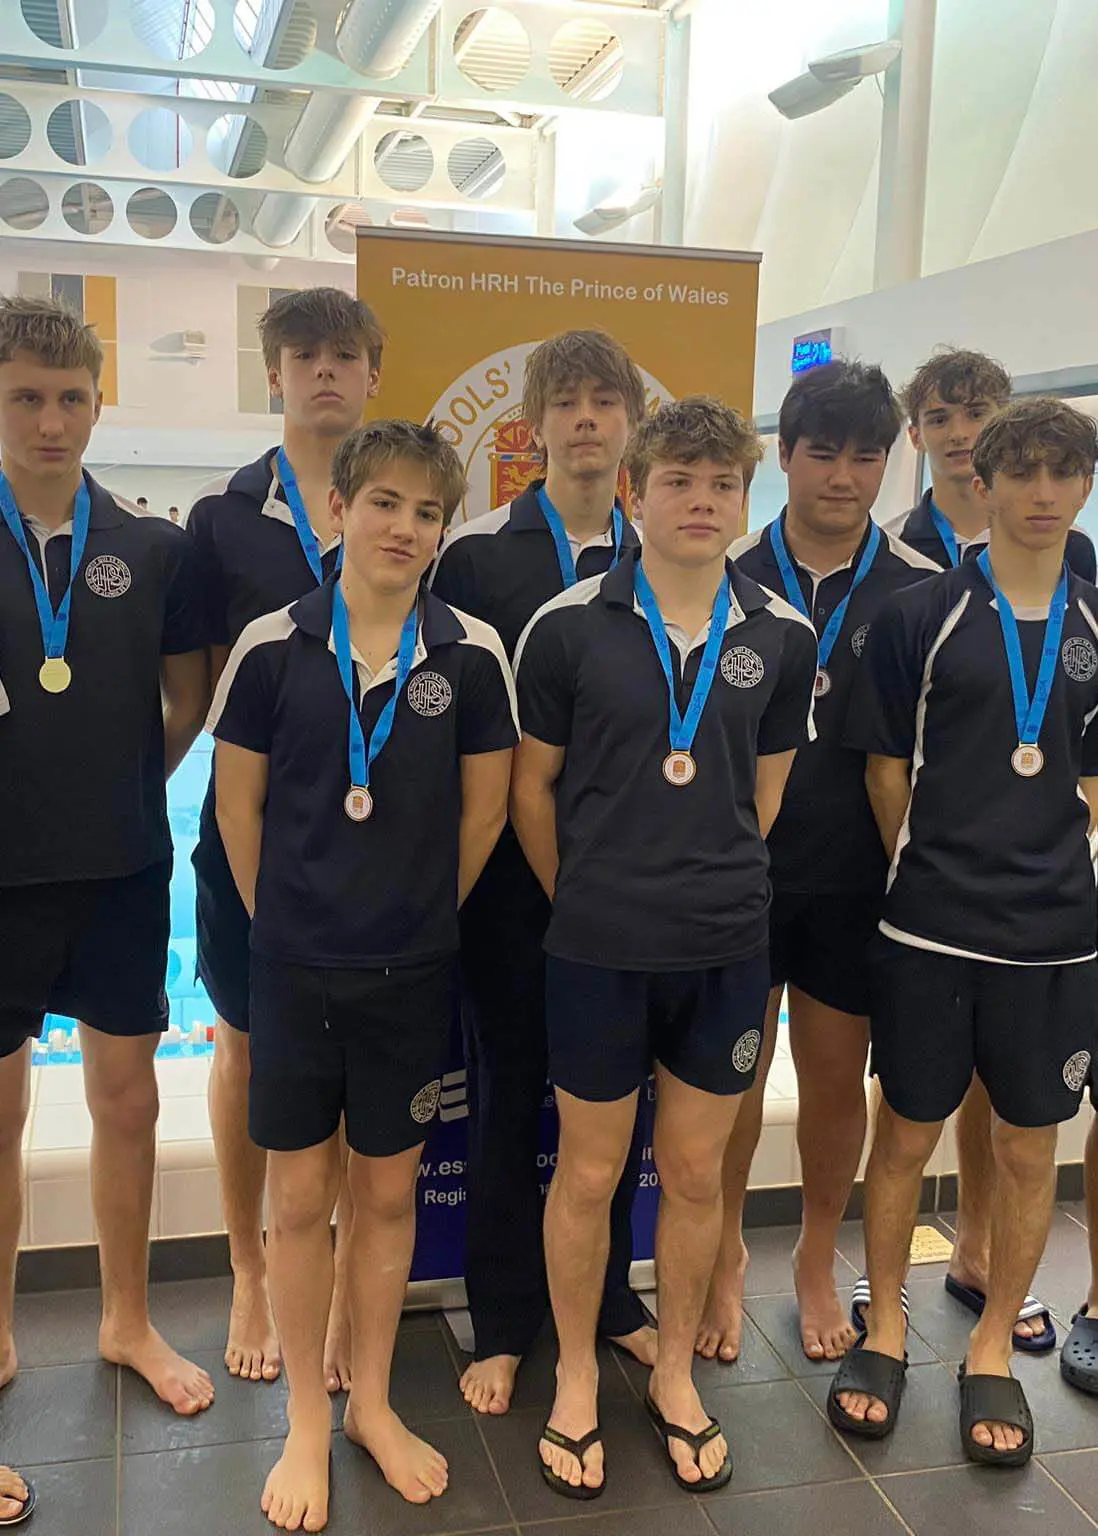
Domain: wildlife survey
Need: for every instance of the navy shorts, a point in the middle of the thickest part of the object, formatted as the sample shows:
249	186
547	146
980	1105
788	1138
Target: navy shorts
1028	1031
222	924
370	1045
821	944
607	1028
94	950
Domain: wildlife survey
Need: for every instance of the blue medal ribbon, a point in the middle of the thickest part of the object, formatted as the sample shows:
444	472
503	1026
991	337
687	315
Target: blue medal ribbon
360	758
796	596
565	558
54	626
1029	714
306	534
945	531
685	727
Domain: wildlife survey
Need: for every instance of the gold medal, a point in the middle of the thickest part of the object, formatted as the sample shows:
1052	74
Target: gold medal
55	674
359	803
679	769
1027	760
822	686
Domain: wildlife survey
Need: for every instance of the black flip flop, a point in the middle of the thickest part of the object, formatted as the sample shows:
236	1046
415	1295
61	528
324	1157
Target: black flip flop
876	1375
650	1321
668	1432
1079	1356
994	1400
28	1505
578	1449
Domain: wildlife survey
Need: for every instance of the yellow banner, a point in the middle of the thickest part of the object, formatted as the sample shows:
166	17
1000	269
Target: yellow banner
462	313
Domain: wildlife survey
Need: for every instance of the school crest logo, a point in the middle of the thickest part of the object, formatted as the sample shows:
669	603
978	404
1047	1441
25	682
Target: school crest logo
1080	659
423	1106
1077	1070
742	667
858	639
429	694
745	1051
108	576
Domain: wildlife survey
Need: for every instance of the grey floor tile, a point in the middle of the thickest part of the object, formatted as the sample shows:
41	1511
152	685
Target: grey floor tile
638	1475
1063	1418
844	1508
851	1245
424	1382
770	1267
938	1317
778	1438
59	1413
77	1496
57	1327
192	1314
926	1433
757	1362
778	1321
684	1518
242	1410
1077	1471
984	1501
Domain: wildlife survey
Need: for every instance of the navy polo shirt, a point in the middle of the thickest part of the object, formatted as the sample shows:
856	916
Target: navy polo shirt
82	793
245	530
502	566
655	877
333	892
987	863
917	529
825	838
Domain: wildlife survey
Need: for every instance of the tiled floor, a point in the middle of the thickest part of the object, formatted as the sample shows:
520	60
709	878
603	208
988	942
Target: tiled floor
110	1461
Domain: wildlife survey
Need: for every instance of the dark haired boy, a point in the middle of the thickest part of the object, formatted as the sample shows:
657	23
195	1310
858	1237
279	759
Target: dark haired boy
364	738
268	537
949	400
103	684
661	707
975	705
582	394
827	868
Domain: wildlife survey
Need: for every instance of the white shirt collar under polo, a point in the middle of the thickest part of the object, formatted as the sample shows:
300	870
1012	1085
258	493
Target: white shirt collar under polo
279	509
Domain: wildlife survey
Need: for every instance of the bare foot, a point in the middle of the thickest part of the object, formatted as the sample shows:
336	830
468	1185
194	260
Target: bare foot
721	1328
295	1497
337	1345
178	1382
488	1385
252	1350
575	1413
642	1344
9	1362
862	1405
13	1494
826	1331
680	1404
415	1469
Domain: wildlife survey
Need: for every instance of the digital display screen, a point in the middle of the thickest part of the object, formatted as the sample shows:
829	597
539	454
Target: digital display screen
812	351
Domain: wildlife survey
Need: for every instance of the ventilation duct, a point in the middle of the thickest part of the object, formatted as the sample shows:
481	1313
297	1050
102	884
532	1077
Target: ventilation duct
376	37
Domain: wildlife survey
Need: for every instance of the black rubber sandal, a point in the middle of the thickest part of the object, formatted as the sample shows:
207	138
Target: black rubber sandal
1079	1356
668	1432
578	1449
876	1375
994	1400
28	1505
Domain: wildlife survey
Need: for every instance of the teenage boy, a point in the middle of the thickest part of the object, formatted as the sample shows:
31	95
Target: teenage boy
949	400
582	396
661	707
364	739
103	683
974	704
268	537
827	867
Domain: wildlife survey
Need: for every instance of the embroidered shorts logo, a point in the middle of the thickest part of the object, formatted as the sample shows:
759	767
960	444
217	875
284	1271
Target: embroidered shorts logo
858	639
1077	1070
429	694
1080	659
107	576
423	1106
746	1050
742	667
